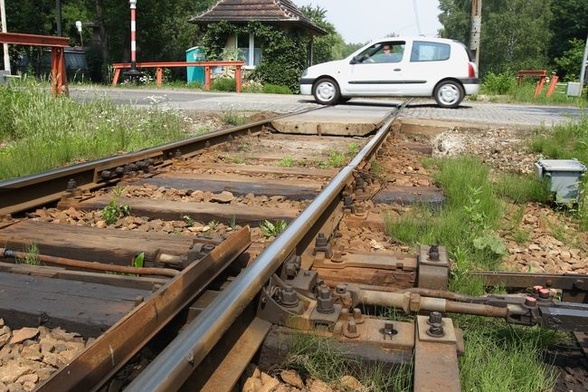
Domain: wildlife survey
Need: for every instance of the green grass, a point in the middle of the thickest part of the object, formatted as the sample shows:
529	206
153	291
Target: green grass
287	161
323	359
272	229
505	358
504	88
32	255
39	132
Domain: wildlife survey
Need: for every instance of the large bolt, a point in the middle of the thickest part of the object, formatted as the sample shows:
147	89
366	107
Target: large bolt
435	318
344	314
530	301
289	299
434	253
325	302
357	316
544	293
71	185
436	331
388	331
435	322
321	240
536	289
351	330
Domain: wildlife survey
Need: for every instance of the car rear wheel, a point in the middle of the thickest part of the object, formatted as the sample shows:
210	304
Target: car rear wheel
448	94
326	91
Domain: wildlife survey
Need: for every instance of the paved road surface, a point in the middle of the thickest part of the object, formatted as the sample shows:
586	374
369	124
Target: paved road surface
485	112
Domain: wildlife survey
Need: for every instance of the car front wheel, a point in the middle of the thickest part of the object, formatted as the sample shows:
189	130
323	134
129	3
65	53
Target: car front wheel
326	91
448	94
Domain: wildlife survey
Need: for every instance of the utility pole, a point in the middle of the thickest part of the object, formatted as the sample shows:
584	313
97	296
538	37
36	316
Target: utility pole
476	29
583	68
4	30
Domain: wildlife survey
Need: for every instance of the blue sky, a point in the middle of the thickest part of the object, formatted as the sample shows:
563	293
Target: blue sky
365	20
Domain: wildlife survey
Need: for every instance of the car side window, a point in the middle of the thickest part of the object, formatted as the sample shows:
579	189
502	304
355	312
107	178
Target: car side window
429	51
383	52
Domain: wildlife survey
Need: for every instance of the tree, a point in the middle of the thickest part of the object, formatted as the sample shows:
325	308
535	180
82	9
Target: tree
515	33
455	18
569	24
327	47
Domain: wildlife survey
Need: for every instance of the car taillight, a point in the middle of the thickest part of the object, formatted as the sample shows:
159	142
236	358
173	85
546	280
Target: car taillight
471	70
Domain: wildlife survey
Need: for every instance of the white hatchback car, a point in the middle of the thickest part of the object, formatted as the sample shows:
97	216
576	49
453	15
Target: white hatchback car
397	67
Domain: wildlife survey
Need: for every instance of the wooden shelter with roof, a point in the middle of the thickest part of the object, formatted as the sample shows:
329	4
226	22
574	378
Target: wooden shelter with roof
282	14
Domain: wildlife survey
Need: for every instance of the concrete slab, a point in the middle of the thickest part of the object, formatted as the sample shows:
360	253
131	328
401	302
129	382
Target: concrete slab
338	120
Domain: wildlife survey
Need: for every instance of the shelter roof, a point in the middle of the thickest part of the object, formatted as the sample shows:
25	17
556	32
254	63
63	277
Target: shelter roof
280	12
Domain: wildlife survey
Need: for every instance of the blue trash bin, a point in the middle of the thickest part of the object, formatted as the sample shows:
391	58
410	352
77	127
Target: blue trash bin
195	74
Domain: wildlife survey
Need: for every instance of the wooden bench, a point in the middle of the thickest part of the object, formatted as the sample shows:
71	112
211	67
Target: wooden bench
57	45
160	65
537	73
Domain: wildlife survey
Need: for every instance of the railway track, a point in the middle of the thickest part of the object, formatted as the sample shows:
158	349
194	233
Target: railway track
220	241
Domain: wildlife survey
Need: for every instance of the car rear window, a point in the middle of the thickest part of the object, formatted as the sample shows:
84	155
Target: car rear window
429	51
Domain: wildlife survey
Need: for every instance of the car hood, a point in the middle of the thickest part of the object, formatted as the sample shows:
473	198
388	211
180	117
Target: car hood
331	67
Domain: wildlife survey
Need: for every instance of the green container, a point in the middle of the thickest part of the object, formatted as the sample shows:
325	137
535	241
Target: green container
195	74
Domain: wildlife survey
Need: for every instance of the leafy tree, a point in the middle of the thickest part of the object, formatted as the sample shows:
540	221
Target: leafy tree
515	35
569	22
327	47
455	18
570	63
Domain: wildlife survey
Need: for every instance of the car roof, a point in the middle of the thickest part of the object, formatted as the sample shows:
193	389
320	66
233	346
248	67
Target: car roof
413	38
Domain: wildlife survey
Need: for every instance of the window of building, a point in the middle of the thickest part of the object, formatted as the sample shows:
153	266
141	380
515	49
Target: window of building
249	49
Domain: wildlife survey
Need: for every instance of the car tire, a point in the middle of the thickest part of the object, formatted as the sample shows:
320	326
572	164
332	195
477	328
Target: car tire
326	91
449	94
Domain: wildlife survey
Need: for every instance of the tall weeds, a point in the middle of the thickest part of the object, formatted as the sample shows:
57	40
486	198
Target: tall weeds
39	132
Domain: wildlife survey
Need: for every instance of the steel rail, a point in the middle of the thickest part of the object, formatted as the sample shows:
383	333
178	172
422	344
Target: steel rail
170	370
24	193
114	348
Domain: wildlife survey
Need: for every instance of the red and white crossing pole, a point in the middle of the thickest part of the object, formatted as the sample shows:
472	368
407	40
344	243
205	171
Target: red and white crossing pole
133	5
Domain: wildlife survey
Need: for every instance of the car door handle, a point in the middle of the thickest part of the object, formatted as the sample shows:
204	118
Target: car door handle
397	69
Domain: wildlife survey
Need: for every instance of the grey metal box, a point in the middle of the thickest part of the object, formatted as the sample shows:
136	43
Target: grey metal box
574	89
564	176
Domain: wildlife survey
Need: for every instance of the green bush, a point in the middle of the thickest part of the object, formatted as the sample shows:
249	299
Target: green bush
276	89
501	84
252	87
224	84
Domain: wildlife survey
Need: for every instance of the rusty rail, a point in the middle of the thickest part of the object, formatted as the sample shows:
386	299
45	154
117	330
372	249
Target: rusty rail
93	367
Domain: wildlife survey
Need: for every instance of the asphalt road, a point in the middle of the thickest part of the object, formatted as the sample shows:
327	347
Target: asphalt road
469	111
